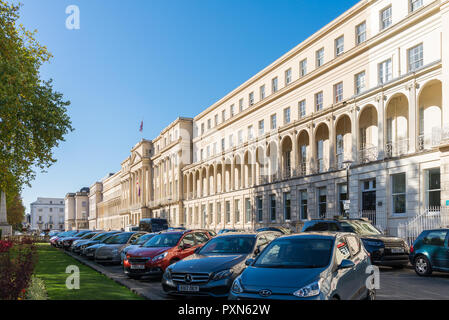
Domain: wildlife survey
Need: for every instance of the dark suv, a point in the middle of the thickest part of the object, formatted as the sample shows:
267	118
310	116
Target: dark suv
384	250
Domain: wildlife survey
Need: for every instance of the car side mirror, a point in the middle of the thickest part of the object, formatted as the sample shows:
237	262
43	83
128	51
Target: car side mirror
346	264
257	251
249	262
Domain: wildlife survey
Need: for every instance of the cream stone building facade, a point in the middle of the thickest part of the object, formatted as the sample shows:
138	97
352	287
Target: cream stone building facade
77	210
362	99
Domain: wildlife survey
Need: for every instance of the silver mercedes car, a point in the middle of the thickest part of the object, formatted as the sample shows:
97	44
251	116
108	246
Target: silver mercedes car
110	249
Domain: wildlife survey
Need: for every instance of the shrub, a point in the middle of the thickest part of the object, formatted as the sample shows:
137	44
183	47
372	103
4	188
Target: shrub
36	290
17	261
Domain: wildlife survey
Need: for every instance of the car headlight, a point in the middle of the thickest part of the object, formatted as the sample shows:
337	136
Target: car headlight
237	286
160	256
372	243
222	274
310	290
168	274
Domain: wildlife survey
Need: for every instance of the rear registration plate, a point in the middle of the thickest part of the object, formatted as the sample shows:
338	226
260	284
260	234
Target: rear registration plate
186	288
397	250
138	266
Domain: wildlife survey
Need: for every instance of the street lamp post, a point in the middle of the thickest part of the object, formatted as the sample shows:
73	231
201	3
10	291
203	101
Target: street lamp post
347	164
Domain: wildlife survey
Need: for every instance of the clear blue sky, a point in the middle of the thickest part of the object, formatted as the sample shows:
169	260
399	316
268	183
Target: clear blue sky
153	60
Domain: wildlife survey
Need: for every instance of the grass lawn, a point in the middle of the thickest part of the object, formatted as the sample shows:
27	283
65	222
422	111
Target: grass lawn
93	285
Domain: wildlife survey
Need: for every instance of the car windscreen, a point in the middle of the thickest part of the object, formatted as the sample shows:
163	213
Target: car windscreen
163	240
120	238
100	236
88	235
144	239
360	227
296	253
229	245
105	236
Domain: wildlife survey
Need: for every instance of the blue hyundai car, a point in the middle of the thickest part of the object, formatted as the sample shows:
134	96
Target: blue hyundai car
309	266
430	252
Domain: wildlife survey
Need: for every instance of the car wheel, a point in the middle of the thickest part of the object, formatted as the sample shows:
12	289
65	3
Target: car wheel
422	266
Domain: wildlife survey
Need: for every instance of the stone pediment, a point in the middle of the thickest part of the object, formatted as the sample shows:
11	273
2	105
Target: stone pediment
136	157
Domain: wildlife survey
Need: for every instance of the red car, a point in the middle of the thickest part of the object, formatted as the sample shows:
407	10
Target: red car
164	249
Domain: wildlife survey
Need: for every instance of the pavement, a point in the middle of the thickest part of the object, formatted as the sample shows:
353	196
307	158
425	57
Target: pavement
402	284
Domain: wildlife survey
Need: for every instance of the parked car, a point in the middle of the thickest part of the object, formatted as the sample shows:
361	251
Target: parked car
136	244
213	268
53	233
80	244
54	240
153	225
384	250
166	248
308	266
277	229
430	252
84	238
110	249
94	241
229	230
66	242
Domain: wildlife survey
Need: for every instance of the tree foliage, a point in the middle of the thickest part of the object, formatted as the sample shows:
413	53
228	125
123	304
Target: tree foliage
33	116
16	210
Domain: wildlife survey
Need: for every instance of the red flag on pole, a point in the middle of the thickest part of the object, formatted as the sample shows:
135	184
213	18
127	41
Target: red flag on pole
141	126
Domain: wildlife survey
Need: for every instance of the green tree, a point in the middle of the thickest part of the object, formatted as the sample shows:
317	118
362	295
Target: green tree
33	116
16	211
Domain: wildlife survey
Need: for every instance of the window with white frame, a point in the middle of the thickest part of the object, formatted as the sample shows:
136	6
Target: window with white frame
302	108
386	18
209	124
247	210
274	85
251	99
398	193
202	130
216	120
273	122
231	141
237	210
320	57
241	105
287	115
262	92
214	150
339	46
415	58
303	67
231	110
273	207
319	101
240	136
250	133
303	205
287	206
223	116
228	211
338	92
415	5
432	185
322	202
208	151
385	71
223	144
360	82
261	127
259	203
288	77
218	212
360	33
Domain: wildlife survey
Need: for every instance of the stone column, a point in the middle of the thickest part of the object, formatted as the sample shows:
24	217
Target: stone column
207	182
223	176
332	141
354	134
311	166
232	186
294	158
215	178
412	117
201	183
381	126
